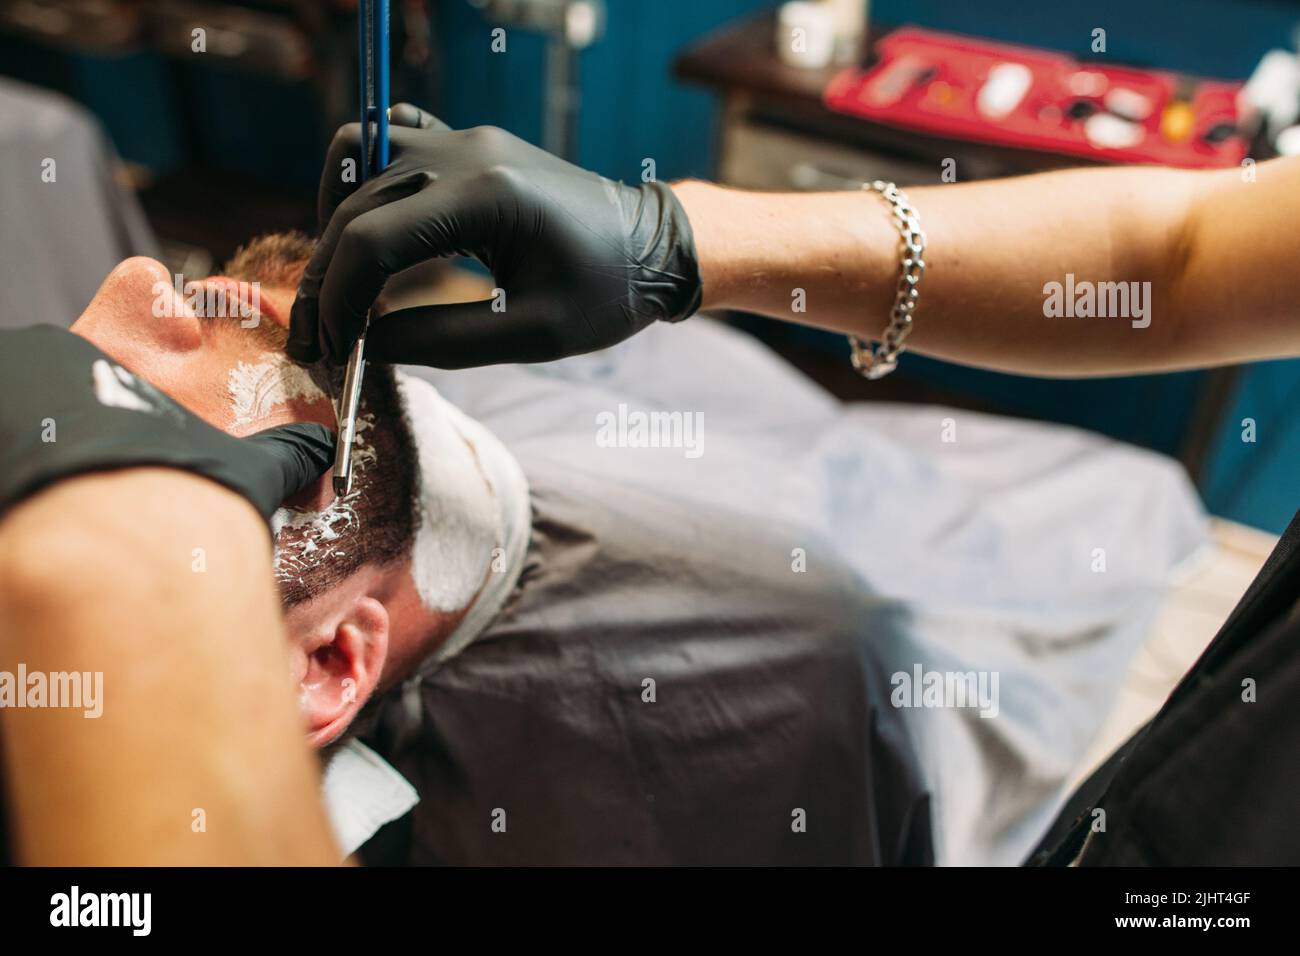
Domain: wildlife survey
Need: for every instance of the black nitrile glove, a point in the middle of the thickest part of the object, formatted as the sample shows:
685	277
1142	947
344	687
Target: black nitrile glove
583	262
67	408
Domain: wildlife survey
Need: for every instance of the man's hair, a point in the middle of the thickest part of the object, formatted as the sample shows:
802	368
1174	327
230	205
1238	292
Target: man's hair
375	524
276	259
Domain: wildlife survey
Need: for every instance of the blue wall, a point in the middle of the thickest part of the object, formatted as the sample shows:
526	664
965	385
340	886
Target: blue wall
630	108
1259	482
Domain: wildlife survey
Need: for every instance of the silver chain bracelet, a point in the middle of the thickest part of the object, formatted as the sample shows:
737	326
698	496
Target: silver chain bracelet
877	361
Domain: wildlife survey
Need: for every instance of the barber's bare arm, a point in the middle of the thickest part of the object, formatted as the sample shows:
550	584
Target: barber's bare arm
97	575
581	262
1222	257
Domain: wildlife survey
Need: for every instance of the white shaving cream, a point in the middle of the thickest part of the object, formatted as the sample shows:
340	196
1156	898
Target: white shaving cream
459	522
319	530
255	392
256	389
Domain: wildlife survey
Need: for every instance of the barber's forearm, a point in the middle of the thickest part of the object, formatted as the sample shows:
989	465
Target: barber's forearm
161	582
1216	250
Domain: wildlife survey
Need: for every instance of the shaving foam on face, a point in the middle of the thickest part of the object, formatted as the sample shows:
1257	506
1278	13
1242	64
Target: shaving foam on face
320	529
459	522
256	389
317	531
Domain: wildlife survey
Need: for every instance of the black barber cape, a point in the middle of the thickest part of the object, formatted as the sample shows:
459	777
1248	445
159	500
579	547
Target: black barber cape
1214	778
766	736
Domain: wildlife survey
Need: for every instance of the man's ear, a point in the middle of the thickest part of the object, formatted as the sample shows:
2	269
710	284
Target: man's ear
343	668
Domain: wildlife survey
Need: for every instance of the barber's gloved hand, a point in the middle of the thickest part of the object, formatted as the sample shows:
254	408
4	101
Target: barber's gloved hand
67	408
583	262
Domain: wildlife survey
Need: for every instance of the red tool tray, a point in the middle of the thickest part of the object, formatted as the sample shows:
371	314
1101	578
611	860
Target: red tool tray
930	81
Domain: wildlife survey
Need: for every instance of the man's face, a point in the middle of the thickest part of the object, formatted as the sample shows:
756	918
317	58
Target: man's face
216	348
138	317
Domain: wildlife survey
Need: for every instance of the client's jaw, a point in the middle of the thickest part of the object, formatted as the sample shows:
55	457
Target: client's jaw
352	639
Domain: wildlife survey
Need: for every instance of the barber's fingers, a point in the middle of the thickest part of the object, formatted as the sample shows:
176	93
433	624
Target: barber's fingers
293	457
389	226
408	115
341	175
469	334
306	338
